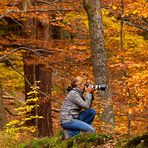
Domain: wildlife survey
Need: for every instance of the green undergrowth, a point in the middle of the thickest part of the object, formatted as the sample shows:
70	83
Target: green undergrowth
83	140
86	140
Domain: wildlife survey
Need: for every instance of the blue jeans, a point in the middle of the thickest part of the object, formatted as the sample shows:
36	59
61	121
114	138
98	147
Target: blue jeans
83	123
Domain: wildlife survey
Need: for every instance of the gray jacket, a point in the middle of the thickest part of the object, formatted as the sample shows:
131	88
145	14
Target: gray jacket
73	104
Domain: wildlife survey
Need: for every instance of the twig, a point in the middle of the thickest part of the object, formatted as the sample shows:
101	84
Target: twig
56	110
55	1
17	22
44	94
8	11
36	51
8	97
49	3
10	112
19	72
33	10
134	25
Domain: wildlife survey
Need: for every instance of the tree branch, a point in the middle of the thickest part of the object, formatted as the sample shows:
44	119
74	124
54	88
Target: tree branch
49	3
44	94
33	10
17	22
39	10
134	25
127	22
55	1
8	97
8	11
55	110
36	51
10	112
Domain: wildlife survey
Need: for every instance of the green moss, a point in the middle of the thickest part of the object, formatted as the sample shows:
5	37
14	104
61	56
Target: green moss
83	140
87	140
21	145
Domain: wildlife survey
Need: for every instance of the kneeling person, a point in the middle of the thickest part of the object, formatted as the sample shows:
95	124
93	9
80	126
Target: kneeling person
72	116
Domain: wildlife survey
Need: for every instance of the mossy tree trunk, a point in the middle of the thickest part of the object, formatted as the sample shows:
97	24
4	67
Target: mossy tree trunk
93	9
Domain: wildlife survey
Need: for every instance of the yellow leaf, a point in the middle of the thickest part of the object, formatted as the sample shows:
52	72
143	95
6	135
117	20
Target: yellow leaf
114	7
134	12
113	18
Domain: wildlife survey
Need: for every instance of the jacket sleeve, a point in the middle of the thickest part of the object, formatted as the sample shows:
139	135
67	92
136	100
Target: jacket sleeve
77	99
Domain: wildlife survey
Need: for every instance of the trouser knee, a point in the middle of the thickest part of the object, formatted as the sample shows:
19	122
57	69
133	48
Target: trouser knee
92	112
91	130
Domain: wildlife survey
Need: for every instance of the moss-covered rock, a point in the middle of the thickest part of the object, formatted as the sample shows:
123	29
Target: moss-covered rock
87	140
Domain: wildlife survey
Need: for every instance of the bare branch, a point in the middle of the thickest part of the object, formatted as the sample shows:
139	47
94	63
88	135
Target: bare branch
19	73
8	97
54	100
134	25
10	112
49	3
40	10
124	19
8	11
33	10
17	22
55	110
35	51
44	94
55	1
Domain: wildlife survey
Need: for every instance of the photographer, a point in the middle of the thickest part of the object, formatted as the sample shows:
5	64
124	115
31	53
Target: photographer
73	118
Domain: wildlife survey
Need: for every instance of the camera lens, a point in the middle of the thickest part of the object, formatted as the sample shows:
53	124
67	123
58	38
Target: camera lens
102	87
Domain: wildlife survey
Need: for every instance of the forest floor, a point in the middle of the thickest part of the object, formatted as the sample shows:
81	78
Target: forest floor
86	140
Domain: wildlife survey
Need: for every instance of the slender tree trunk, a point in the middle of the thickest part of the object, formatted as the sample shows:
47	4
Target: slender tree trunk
123	71
2	110
93	9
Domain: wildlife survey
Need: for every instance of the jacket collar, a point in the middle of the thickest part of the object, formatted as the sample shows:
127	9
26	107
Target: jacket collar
78	90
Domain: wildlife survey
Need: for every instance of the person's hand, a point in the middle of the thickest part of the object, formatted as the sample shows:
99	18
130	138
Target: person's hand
89	89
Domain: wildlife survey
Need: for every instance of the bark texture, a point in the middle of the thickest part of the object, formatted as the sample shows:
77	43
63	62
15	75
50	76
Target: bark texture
2	111
93	9
38	72
45	124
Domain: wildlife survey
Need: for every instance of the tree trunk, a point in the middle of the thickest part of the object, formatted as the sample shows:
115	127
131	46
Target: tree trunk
29	69
2	110
45	124
93	9
29	73
38	72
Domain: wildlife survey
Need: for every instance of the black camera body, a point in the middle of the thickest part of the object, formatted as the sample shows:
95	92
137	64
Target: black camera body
97	86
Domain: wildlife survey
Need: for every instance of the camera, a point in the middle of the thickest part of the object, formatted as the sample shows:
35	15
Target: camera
97	86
